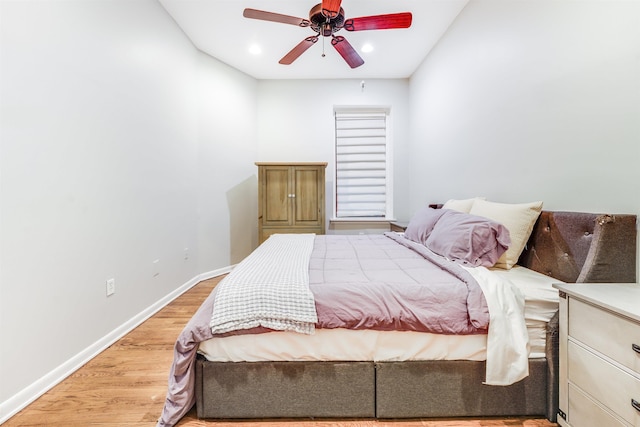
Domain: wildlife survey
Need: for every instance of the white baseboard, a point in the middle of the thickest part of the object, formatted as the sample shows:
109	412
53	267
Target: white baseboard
19	401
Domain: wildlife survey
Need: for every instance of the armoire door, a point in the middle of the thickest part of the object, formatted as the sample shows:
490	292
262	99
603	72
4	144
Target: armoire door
276	192
307	197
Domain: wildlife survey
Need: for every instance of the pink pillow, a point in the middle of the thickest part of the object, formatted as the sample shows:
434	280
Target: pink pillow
468	239
422	223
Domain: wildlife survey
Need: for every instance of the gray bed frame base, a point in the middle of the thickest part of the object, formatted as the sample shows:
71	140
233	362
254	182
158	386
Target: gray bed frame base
569	246
418	389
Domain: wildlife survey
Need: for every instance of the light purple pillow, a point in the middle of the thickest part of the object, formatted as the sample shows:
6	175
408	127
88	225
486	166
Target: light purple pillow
468	239
422	223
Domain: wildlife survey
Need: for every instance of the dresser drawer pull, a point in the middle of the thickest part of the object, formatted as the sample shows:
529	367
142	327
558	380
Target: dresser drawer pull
635	404
635	348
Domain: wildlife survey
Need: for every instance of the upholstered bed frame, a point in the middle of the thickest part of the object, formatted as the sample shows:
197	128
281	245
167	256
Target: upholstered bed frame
569	246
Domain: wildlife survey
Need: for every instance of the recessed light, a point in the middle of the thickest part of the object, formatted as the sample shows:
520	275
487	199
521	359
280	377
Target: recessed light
254	49
367	47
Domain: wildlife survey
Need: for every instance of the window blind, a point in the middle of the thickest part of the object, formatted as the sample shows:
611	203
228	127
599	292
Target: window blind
361	164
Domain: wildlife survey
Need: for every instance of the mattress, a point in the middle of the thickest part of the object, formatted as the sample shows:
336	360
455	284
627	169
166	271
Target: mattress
541	302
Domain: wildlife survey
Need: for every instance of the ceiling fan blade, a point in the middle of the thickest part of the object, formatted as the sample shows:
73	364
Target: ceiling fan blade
347	51
275	17
298	50
331	8
379	22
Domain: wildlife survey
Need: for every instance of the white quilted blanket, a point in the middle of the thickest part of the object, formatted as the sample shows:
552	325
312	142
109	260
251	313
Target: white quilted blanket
269	288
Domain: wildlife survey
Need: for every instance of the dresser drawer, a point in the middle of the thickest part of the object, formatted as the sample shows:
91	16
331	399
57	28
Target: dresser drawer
605	382
584	412
611	335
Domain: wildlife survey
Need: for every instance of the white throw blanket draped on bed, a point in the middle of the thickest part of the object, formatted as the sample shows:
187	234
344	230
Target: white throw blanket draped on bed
269	288
507	338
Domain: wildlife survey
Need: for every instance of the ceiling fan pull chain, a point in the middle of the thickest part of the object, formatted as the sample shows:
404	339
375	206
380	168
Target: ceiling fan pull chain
323	47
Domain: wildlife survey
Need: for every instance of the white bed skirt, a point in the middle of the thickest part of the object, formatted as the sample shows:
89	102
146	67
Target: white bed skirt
350	345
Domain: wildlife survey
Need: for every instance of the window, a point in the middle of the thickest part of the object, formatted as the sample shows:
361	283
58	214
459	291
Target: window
363	164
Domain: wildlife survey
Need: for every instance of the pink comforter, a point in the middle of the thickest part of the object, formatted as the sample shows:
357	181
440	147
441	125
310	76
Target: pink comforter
372	282
359	282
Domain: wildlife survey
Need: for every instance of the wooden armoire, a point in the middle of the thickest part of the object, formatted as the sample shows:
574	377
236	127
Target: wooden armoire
291	198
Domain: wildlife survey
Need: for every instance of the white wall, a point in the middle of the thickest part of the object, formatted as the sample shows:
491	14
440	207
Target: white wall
227	180
531	100
296	123
120	144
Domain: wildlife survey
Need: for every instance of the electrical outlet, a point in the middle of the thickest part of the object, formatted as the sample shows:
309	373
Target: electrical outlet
186	254
111	287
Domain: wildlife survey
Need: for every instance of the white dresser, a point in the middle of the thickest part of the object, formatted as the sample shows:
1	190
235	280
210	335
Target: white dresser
599	355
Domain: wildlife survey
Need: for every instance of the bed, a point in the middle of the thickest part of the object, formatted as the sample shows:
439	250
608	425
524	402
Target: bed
359	383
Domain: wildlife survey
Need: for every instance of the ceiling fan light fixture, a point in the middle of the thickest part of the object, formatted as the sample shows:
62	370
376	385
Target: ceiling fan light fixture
327	29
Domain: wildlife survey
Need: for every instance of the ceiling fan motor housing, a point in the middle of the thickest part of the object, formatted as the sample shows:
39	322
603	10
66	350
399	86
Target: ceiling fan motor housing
324	25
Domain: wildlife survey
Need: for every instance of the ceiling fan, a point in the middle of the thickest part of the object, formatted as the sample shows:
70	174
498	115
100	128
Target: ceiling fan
327	18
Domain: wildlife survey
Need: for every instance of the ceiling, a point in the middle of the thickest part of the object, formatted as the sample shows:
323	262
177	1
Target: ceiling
218	28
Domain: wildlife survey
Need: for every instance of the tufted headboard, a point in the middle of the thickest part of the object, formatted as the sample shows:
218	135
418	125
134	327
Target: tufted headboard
583	247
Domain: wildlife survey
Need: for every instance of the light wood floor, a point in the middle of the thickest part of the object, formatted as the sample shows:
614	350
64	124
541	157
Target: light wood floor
126	385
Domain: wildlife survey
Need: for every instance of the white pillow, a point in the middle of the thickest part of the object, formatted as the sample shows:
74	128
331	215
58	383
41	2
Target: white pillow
519	218
461	205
